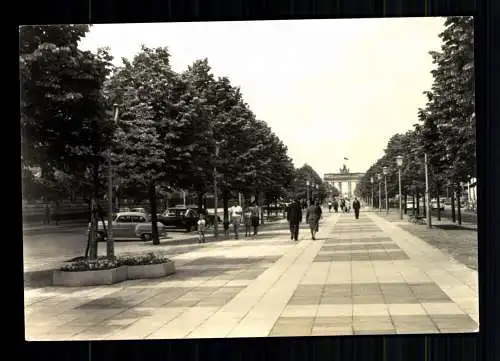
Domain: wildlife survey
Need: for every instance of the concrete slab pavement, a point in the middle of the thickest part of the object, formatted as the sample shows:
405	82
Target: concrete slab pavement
364	276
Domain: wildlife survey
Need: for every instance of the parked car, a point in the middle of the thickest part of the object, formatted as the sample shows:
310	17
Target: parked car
180	217
129	226
138	210
441	203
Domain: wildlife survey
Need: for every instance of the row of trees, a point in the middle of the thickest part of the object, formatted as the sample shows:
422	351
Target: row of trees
445	130
173	131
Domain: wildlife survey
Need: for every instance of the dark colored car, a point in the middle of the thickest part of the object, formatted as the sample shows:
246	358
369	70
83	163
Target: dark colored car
179	217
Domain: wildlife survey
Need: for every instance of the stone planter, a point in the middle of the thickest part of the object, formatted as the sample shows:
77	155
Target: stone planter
150	270
89	278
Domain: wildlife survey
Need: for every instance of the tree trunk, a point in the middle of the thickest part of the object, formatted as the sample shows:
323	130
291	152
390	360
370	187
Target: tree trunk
154	222
413	205
225	202
93	228
418	204
200	201
257	202
424	204
87	249
438	203
459	211
453	216
405	205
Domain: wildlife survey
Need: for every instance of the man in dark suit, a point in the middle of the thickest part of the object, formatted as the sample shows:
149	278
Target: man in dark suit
294	217
356	205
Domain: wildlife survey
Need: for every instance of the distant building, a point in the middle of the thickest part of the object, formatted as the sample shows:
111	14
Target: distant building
345	181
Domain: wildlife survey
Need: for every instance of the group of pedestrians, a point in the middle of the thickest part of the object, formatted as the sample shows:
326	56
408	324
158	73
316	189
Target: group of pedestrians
313	216
237	215
294	217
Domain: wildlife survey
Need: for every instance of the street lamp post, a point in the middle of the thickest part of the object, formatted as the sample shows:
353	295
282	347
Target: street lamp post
427	195
216	199
399	163
379	178
384	170
110	247
307	194
371	180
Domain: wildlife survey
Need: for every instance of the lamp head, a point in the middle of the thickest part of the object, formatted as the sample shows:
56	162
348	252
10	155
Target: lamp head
384	170
399	160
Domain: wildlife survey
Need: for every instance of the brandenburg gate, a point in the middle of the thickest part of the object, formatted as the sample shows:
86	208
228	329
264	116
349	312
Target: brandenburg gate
344	181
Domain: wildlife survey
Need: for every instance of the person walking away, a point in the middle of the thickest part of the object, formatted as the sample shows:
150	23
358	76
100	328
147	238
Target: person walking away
202	224
356	206
47	214
330	206
56	213
336	206
313	214
294	218
247	217
236	213
342	205
255	218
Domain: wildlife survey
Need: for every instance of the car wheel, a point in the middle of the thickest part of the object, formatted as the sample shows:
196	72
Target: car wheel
146	237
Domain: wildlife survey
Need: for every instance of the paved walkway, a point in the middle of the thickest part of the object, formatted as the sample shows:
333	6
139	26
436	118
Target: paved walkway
365	276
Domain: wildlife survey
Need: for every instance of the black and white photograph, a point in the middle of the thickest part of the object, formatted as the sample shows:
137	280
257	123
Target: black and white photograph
249	179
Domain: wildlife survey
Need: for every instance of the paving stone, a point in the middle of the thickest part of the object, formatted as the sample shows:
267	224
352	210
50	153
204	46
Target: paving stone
358	247
402	321
366	289
367	299
463	323
332	331
362	332
337	321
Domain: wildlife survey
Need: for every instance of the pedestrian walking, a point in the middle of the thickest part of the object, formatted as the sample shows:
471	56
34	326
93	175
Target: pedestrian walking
342	205
330	206
236	212
294	217
247	219
313	215
336	206
47	214
255	217
202	224
356	206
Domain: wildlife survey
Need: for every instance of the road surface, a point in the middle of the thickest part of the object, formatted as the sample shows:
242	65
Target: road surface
45	247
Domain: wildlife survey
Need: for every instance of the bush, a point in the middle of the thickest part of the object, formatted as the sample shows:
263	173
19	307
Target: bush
416	220
140	260
101	263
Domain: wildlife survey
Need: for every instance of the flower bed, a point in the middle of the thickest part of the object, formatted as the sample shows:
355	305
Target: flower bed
103	271
416	220
147	266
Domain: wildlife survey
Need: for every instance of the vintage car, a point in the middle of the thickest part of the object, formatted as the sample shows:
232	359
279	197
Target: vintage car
129	226
180	217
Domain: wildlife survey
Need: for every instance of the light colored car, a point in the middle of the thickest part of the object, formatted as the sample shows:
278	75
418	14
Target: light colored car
138	210
129	226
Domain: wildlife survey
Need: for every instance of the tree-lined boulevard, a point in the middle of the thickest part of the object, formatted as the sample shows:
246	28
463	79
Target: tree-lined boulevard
101	133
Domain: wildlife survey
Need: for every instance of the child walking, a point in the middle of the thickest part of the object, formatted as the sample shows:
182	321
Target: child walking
201	228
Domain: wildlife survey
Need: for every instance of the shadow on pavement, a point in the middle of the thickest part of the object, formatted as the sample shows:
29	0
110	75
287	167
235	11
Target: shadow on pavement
454	227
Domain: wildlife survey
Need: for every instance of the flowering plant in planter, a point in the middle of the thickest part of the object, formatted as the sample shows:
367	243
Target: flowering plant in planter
99	264
140	260
416	220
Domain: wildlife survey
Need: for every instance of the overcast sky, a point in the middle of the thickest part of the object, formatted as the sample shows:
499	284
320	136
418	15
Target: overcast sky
328	88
